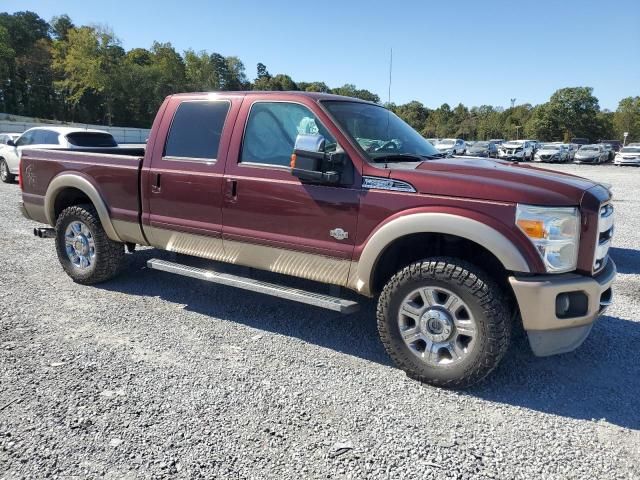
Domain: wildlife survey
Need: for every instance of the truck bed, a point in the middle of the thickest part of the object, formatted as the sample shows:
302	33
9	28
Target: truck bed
114	174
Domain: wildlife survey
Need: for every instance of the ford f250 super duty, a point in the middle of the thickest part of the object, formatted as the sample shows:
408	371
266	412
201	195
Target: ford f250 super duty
457	251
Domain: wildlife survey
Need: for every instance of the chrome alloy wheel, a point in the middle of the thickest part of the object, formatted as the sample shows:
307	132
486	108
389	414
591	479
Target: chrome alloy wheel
437	326
80	245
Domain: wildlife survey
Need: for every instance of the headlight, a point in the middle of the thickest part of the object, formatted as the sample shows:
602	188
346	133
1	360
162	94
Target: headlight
555	233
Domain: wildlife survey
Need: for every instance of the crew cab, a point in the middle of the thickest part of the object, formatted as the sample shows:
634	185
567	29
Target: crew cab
50	138
457	252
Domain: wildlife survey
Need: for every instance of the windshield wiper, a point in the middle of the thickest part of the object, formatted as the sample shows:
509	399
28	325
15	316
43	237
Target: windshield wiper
399	157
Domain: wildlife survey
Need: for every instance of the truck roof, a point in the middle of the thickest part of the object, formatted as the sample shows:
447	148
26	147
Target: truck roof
262	93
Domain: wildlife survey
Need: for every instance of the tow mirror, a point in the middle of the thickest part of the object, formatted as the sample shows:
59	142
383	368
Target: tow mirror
311	163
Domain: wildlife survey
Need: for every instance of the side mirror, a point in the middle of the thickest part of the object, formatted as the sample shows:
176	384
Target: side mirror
11	143
310	162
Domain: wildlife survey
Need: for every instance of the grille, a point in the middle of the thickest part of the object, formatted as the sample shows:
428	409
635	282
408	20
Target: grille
605	233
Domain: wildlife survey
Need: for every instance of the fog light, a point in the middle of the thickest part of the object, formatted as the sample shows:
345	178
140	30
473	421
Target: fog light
572	304
562	305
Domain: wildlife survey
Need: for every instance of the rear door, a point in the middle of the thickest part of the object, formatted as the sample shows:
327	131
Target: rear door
274	221
183	185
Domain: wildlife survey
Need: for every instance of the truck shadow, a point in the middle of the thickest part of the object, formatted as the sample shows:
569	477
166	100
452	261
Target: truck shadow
627	259
598	381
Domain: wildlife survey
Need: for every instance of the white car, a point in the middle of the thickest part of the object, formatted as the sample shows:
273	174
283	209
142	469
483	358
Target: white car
629	155
49	138
7	137
451	146
519	150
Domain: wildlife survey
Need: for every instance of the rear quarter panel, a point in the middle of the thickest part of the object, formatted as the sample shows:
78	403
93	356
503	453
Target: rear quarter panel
115	177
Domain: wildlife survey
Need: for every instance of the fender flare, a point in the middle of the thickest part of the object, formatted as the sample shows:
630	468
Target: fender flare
432	222
73	180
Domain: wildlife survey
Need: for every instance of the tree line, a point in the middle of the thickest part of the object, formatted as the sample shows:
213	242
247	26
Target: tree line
58	70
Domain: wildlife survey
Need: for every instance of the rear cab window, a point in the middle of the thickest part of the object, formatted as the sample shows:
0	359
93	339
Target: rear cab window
91	139
196	130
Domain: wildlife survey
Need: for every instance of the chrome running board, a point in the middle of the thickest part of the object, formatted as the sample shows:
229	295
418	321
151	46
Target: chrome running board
302	296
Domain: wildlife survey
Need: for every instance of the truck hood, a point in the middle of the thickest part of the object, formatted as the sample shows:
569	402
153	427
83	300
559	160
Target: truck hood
492	180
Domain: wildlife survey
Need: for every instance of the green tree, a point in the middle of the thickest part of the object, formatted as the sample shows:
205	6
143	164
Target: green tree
414	113
574	111
60	27
627	118
350	90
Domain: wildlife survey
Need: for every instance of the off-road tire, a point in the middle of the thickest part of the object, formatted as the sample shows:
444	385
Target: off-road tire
8	177
489	305
109	255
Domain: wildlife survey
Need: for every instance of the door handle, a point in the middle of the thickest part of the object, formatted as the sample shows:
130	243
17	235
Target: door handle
232	190
155	186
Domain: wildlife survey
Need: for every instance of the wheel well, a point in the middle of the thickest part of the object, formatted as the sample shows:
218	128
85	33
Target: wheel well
412	248
69	197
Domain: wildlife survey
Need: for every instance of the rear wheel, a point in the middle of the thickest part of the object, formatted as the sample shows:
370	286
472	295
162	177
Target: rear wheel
444	322
5	175
85	251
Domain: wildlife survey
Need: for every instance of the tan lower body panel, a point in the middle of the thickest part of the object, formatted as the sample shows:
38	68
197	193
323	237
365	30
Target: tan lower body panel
279	260
129	232
34	212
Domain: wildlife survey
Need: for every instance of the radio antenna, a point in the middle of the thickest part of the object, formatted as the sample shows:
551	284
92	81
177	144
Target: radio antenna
390	70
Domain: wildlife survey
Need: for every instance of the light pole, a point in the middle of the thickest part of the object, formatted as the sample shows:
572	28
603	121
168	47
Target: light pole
518	127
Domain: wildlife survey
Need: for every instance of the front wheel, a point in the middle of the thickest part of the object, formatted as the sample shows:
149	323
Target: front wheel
444	322
85	251
5	174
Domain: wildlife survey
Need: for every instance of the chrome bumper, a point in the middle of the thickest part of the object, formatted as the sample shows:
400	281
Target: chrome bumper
536	296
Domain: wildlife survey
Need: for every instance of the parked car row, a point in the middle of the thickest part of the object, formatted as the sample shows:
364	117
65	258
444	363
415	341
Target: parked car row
65	138
578	151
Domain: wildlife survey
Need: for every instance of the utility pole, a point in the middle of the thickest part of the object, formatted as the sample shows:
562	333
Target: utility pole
513	102
518	127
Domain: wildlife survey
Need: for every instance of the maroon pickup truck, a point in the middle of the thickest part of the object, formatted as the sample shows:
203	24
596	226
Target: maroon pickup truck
457	251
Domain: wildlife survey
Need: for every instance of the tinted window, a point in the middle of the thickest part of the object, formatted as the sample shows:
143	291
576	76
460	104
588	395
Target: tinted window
196	130
272	129
26	139
91	139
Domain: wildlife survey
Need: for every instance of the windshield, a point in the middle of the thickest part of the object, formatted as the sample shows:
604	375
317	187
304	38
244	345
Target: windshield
589	149
378	131
447	141
630	150
481	144
551	147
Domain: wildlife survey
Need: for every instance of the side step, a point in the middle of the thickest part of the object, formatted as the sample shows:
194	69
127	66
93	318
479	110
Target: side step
316	299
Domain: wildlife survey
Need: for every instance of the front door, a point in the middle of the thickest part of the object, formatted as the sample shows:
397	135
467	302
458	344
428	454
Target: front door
271	219
183	187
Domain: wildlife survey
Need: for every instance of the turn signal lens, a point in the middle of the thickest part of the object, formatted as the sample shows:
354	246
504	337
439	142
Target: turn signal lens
533	228
292	164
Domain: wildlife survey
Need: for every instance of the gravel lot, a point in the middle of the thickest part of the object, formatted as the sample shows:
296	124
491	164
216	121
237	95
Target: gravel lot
153	375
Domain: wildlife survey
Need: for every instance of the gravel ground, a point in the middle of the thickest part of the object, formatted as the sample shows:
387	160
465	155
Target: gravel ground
153	375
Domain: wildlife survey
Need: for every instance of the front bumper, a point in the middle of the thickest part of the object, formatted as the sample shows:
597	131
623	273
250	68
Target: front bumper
624	161
537	296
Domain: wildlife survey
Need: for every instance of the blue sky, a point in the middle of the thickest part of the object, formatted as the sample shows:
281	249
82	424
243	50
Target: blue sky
474	52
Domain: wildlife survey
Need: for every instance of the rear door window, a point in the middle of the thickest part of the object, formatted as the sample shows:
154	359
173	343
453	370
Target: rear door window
196	130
